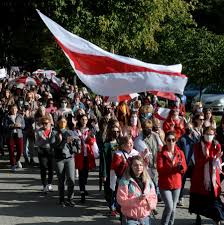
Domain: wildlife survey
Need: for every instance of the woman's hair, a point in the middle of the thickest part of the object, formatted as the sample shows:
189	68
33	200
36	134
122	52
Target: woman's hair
79	117
45	118
109	132
208	129
61	117
128	172
123	140
212	118
169	133
196	117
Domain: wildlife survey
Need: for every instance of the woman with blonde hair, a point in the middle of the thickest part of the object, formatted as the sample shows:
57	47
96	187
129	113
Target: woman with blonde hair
136	193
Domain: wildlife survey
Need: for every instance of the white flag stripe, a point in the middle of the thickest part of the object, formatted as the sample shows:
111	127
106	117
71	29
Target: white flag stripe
80	45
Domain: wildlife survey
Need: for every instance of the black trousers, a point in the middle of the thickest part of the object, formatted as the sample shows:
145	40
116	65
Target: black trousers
83	175
46	160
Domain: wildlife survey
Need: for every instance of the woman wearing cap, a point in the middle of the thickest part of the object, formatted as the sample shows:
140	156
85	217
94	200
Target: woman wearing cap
171	165
205	188
136	193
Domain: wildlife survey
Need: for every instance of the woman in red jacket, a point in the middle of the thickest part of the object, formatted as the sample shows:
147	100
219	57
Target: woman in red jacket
205	182
171	165
175	123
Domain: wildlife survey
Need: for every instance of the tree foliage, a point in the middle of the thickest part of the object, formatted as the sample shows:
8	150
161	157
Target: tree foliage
156	31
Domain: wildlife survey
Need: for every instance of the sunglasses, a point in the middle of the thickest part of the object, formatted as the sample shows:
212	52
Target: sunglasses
201	119
171	139
116	131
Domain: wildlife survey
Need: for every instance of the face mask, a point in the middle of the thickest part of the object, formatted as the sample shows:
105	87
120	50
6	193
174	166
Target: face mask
148	115
208	138
62	125
63	105
134	121
20	102
200	110
147	131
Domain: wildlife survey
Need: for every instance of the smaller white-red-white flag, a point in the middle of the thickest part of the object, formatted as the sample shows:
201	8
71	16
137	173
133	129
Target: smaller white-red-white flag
108	74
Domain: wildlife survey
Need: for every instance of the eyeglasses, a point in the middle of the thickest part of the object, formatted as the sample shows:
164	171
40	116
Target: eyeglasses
170	139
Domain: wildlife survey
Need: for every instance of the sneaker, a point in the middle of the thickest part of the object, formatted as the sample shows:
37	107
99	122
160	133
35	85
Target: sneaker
76	173
49	188
70	203
13	168
181	202
19	165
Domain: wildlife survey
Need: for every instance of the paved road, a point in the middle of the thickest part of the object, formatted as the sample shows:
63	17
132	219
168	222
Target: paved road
22	202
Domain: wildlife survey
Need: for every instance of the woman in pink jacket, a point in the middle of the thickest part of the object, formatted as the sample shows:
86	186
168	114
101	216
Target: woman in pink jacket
136	194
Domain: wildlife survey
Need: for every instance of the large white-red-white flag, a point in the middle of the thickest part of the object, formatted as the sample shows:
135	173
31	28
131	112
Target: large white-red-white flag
109	74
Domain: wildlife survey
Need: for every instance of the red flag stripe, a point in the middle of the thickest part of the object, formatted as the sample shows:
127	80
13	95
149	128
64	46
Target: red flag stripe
95	65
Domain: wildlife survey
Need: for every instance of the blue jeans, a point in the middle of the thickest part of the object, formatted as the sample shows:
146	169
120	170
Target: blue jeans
170	198
144	221
28	151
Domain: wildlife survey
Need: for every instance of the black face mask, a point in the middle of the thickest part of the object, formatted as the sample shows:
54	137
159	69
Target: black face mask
147	131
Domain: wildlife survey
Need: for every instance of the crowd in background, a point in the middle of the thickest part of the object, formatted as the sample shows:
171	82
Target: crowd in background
143	159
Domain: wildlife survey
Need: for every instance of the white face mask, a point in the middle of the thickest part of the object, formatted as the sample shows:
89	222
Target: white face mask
134	120
208	138
63	105
200	110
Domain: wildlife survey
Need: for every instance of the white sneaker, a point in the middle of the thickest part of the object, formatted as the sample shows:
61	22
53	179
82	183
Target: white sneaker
76	173
49	187
19	165
181	202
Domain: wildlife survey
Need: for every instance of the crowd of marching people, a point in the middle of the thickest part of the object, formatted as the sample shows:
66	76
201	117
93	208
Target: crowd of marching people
143	158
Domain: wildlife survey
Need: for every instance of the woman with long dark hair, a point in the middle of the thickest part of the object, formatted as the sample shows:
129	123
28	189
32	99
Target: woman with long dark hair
85	160
171	165
110	146
205	188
